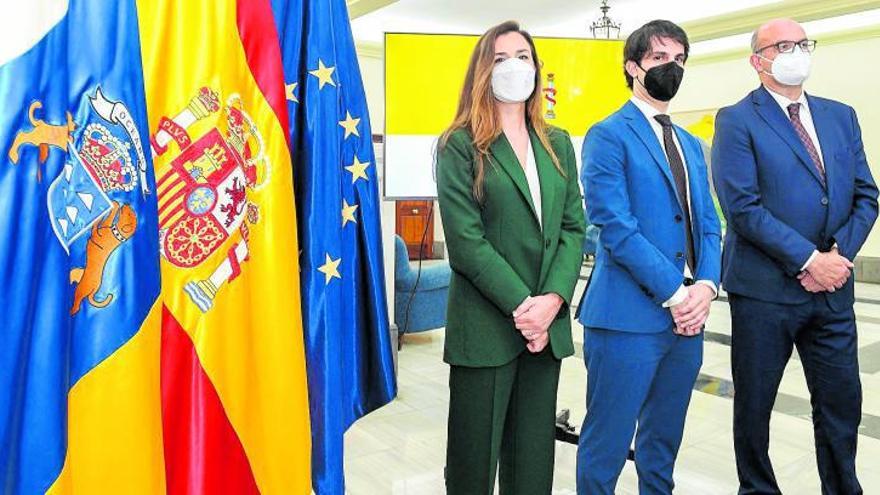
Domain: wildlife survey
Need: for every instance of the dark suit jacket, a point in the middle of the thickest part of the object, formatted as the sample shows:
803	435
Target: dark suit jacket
776	207
498	252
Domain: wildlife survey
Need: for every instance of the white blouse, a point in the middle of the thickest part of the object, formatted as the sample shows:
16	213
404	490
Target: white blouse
534	183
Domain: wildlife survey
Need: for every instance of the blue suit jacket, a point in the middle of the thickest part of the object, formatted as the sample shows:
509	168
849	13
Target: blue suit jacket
630	195
777	209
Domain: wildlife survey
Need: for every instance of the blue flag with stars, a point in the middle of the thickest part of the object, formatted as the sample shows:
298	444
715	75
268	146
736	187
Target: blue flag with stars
348	348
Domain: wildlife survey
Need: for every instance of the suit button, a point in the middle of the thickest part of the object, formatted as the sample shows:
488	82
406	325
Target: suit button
547	244
678	218
679	255
824	201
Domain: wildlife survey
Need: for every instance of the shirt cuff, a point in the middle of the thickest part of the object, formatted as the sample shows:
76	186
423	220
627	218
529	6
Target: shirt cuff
680	295
711	285
810	260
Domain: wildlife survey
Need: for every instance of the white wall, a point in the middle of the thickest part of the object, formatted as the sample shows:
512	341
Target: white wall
373	74
374	87
843	71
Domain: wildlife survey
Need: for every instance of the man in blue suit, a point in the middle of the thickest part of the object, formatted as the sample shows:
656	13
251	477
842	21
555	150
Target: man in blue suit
656	273
795	187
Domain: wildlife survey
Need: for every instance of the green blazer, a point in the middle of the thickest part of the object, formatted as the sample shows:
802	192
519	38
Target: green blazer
497	250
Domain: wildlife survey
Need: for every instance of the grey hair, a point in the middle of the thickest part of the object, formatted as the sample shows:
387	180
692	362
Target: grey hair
755	40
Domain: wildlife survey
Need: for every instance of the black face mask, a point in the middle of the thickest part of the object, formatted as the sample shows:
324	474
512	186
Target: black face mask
663	81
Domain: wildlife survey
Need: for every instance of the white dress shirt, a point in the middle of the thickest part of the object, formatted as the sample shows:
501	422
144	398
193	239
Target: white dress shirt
807	121
531	171
650	112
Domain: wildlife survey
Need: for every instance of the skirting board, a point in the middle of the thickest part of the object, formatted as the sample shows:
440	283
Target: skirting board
867	269
392	329
439	250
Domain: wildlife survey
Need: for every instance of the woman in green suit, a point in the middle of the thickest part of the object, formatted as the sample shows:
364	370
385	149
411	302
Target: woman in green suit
514	224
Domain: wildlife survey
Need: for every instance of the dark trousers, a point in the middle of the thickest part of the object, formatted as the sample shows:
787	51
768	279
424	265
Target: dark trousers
764	334
504	414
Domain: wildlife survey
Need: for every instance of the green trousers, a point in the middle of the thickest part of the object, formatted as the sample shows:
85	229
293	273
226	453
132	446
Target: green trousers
504	414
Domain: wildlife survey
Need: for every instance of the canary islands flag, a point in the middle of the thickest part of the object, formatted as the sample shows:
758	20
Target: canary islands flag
79	268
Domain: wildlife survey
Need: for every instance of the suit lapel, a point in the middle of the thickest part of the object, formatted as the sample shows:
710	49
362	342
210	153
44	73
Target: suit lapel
692	159
506	158
642	128
822	122
777	120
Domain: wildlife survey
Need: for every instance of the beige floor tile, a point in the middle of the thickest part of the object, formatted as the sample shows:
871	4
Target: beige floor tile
400	449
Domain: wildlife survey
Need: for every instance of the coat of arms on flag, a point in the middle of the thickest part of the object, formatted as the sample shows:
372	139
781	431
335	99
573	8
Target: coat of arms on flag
203	193
103	156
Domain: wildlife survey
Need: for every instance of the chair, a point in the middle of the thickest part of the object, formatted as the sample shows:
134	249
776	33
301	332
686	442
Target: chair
425	294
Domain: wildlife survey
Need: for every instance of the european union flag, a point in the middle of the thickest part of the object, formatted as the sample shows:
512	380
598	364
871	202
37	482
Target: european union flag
79	266
348	348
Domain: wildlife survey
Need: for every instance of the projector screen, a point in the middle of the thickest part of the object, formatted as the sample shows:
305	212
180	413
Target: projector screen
424	74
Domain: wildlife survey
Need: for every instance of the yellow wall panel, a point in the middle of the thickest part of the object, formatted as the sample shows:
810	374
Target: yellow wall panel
424	74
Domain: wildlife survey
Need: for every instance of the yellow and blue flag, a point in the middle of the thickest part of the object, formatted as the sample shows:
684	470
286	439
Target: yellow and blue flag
345	317
79	265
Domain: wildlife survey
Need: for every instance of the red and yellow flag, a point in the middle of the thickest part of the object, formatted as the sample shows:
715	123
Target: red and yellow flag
233	384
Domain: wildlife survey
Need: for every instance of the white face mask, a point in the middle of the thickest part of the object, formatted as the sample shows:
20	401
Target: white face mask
513	81
791	69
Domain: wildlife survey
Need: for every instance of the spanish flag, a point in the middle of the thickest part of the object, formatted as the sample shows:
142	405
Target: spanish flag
233	385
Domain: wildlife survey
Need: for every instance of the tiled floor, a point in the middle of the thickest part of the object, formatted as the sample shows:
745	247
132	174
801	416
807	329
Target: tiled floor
400	448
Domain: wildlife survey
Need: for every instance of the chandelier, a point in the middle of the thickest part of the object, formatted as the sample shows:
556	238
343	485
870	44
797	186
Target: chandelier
605	27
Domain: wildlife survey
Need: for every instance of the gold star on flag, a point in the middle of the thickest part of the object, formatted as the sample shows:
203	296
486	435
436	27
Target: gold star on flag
289	89
348	212
358	170
324	74
350	125
330	269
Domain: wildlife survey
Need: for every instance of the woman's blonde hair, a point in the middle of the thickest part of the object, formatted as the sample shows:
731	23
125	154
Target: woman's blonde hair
476	107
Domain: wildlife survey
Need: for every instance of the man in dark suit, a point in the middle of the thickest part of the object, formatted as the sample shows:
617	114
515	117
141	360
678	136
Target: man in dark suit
658	264
795	187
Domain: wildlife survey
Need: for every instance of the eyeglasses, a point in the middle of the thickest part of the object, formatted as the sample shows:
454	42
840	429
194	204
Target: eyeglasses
788	46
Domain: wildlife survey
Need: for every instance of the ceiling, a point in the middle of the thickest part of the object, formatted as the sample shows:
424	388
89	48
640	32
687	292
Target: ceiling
567	18
713	25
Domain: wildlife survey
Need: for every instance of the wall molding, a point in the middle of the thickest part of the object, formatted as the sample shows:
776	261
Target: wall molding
833	38
745	21
357	8
370	49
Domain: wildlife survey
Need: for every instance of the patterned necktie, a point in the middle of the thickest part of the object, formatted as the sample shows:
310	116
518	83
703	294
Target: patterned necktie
794	114
676	165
